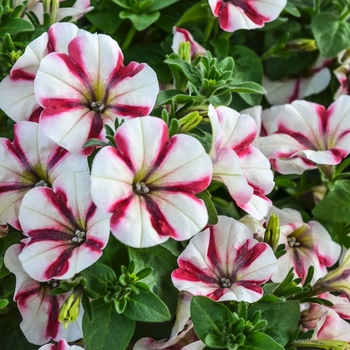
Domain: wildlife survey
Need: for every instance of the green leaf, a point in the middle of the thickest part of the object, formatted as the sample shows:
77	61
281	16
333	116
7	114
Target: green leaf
282	318
14	26
213	215
140	21
248	67
163	263
209	317
146	307
108	329
97	275
191	73
335	206
10	334
160	4
195	14
3	303
331	34
246	87
259	341
173	127
166	96
106	20
292	9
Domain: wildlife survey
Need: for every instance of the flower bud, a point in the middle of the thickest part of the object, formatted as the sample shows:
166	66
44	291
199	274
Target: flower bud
272	233
69	310
337	280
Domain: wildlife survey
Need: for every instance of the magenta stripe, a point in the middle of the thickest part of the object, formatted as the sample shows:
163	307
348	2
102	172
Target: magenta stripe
49	234
158	220
54	106
119	209
25	293
15	187
129	110
282	129
243	147
213	254
53	311
94	244
90	212
35	116
56	156
20	74
123	151
61	265
76	68
190	272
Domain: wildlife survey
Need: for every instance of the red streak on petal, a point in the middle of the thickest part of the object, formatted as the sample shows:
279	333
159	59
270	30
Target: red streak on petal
213	254
34	117
54	106
158	220
246	255
217	294
252	285
57	155
94	244
53	311
299	267
122	151
118	209
90	213
15	187
48	234
76	67
244	148
249	11
61	265
301	138
19	74
129	110
190	272
30	290
296	92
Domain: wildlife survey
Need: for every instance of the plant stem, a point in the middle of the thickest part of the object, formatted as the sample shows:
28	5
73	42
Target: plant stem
129	38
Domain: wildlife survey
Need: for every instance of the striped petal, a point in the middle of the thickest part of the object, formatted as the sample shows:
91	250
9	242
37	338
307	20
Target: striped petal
39	309
249	14
148	183
32	159
88	87
225	262
66	231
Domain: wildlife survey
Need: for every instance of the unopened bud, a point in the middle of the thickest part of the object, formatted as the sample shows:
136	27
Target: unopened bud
272	233
69	310
189	121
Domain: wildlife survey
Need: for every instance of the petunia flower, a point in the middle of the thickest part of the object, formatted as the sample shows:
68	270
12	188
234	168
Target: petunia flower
89	87
342	74
66	232
148	182
38	307
326	323
17	98
61	345
243	169
31	160
306	132
245	14
225	262
306	244
290	89
337	280
183	35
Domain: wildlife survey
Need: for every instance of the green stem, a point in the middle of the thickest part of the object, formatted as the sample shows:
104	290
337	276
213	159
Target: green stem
317	6
209	28
344	17
129	38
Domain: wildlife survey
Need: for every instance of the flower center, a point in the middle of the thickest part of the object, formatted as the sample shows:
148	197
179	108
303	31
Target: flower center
225	282
41	183
292	242
79	236
97	106
141	188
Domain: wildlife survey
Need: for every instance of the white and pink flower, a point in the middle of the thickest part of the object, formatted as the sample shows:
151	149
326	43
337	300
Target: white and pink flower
149	181
304	134
38	307
183	35
89	87
306	244
243	169
225	262
66	232
245	14
31	160
17	98
290	89
61	345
